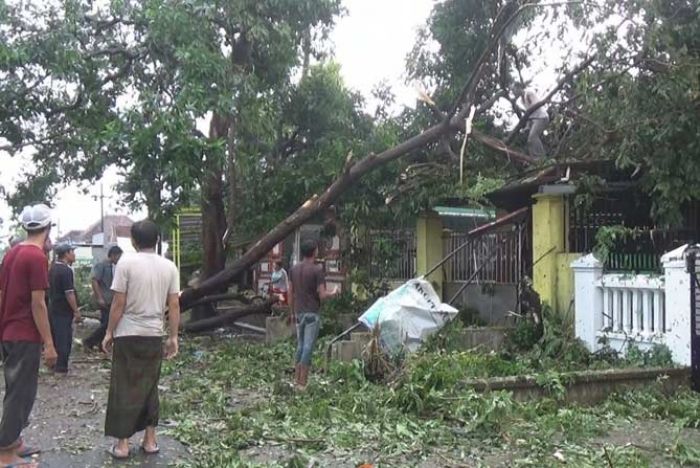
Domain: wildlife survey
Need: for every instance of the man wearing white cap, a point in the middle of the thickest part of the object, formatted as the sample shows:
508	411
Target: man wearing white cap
24	326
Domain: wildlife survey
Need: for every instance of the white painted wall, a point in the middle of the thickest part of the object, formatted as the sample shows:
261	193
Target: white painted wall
643	309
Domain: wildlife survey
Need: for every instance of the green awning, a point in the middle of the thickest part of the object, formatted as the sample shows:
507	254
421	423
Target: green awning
465	212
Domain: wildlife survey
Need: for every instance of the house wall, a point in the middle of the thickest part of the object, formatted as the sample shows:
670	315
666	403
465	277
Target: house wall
429	249
548	241
553	278
492	301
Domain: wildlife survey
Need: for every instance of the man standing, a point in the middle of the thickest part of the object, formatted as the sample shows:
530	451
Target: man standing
307	289
63	304
144	285
537	122
102	276
24	325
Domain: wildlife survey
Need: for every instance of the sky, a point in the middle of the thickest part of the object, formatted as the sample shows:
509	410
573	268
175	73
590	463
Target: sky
368	48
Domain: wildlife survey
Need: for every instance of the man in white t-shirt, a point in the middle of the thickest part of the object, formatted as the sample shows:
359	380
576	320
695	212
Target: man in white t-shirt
144	285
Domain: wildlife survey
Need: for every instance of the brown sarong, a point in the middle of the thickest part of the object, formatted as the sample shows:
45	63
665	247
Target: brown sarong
133	389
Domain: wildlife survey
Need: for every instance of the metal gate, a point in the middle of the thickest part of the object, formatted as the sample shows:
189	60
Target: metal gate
692	254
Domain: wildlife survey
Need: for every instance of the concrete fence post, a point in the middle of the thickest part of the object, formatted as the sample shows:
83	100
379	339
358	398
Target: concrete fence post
588	300
677	305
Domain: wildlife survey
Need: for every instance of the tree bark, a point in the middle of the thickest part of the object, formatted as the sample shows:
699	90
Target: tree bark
233	195
213	323
213	215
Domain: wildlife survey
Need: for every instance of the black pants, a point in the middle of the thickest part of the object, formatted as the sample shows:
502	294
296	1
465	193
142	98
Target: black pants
62	333
21	361
96	337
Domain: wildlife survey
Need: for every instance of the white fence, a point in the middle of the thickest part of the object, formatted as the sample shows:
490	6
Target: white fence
643	309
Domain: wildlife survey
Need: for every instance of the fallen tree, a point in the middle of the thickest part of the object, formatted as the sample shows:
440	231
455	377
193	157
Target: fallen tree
228	318
452	122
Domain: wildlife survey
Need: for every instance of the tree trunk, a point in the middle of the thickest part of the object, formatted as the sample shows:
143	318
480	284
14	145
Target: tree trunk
213	323
213	216
232	191
317	204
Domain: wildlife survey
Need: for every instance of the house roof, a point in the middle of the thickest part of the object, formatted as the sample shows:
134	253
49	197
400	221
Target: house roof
518	191
114	226
73	236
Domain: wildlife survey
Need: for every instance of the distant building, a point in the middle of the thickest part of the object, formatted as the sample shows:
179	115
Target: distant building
116	227
92	244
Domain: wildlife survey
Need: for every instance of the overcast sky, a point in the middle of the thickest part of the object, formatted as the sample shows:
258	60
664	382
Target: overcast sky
368	47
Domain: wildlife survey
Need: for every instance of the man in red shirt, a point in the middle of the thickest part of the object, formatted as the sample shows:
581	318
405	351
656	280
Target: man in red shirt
24	326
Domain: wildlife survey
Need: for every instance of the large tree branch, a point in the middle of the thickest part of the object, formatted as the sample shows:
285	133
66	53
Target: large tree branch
466	95
504	19
352	172
488	104
33	141
112	51
317	203
560	84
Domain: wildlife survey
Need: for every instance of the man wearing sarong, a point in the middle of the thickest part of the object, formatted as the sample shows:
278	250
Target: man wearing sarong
144	285
24	326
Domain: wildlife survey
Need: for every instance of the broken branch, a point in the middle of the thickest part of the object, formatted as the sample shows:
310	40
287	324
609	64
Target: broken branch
226	319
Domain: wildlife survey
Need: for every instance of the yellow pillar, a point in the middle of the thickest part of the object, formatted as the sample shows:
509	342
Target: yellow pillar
548	240
429	249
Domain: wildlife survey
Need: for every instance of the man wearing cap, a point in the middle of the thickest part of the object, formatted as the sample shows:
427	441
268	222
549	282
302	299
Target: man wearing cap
63	304
24	326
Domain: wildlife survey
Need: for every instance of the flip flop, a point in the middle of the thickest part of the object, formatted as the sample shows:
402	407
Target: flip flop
24	464
150	452
29	451
113	452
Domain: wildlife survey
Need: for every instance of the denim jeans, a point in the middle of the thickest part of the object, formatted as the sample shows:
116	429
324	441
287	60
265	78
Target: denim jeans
308	325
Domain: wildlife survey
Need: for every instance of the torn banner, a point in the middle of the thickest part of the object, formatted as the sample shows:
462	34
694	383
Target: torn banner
408	315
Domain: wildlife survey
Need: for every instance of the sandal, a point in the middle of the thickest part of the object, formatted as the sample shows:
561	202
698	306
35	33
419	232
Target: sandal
150	452
28	451
113	452
22	464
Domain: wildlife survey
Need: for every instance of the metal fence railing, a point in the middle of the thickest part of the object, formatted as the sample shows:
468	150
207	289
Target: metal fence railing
641	250
500	252
391	254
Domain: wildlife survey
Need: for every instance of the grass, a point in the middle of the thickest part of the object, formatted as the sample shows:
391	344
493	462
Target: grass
226	397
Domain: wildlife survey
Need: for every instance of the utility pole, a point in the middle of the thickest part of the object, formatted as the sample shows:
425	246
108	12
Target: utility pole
102	212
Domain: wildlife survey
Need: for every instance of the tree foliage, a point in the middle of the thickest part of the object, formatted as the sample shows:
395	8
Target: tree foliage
129	84
126	84
635	98
641	105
